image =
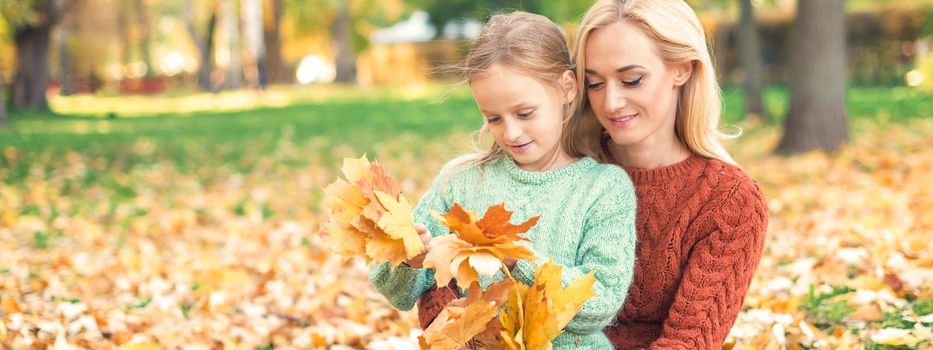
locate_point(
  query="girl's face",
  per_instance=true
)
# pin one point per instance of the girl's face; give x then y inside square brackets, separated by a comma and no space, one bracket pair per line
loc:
[632,91]
[524,116]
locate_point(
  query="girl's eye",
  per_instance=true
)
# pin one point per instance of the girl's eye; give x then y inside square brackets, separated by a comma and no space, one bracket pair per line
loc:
[493,120]
[594,86]
[634,83]
[526,114]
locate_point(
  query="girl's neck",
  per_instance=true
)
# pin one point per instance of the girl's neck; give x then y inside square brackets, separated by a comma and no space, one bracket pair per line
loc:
[556,159]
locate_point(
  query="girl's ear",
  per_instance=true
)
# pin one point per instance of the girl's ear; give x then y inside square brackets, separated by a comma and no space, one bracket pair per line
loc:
[568,84]
[682,73]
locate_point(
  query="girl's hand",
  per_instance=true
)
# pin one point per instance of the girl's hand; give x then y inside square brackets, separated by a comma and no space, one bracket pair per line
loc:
[418,261]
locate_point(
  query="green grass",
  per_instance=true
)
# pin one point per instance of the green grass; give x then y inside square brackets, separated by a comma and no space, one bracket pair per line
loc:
[880,104]
[318,120]
[232,138]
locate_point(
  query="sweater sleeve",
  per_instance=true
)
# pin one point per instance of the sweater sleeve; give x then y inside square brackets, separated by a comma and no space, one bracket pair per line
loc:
[718,273]
[404,285]
[608,247]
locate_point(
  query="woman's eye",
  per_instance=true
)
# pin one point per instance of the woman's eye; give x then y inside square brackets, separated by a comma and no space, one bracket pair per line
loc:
[526,114]
[492,120]
[594,86]
[633,83]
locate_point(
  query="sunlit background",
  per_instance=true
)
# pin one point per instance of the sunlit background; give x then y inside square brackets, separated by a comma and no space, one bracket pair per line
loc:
[161,166]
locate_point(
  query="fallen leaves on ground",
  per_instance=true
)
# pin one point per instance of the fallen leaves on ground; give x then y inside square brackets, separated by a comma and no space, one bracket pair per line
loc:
[111,248]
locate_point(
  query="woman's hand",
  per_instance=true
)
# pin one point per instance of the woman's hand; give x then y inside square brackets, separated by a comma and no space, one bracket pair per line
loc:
[418,261]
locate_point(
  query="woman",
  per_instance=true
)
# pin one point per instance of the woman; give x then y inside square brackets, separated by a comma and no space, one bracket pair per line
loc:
[651,104]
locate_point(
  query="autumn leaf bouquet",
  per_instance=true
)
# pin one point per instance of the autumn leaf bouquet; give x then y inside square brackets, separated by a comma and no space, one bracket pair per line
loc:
[369,217]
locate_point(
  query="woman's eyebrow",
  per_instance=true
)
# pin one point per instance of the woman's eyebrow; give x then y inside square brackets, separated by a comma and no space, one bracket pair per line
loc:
[618,70]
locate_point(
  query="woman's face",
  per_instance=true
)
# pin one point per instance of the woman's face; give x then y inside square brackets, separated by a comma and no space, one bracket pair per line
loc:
[632,91]
[524,116]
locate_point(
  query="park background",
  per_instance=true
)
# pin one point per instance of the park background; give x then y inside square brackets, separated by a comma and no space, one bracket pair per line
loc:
[162,164]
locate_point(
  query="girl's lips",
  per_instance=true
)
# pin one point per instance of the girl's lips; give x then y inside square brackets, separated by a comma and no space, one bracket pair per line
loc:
[623,121]
[521,148]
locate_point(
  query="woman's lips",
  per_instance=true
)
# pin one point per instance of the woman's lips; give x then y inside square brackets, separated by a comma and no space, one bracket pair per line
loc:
[623,121]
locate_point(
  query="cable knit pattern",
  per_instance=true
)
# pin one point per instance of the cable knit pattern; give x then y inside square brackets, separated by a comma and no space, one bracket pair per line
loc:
[701,226]
[587,223]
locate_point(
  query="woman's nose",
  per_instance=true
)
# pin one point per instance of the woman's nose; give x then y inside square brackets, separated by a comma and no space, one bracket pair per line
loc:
[615,98]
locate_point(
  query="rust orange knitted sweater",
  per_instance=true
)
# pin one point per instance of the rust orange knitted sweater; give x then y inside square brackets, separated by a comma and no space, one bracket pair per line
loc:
[701,225]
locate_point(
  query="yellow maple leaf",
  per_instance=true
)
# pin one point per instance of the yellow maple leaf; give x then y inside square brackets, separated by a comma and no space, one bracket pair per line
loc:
[465,318]
[357,169]
[399,224]
[533,316]
[475,247]
[368,216]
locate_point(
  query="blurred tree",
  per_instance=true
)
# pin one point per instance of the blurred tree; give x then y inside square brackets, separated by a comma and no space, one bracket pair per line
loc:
[229,17]
[64,64]
[253,43]
[340,33]
[2,101]
[816,118]
[349,23]
[275,69]
[750,51]
[144,25]
[32,22]
[442,12]
[201,22]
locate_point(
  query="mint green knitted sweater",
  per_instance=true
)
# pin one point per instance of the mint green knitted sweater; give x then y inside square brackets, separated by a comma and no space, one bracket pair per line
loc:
[587,222]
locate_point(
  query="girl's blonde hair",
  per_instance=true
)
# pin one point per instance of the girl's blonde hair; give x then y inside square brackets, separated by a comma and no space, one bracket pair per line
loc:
[530,44]
[675,29]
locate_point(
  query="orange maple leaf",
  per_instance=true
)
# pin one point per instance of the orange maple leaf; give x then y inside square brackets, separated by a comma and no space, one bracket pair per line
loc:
[475,247]
[465,318]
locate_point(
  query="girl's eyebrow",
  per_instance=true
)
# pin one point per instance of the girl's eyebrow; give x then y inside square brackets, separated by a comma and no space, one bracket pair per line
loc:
[618,70]
[520,104]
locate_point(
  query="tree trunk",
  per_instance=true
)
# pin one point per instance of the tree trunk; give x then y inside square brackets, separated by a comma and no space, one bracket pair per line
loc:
[750,50]
[64,66]
[254,49]
[275,69]
[145,37]
[233,77]
[126,43]
[204,43]
[341,39]
[32,68]
[816,118]
[2,102]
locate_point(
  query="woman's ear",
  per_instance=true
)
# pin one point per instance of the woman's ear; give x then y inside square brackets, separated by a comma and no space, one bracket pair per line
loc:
[568,84]
[682,73]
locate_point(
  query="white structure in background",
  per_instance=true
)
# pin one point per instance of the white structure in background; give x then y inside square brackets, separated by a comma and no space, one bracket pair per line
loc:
[415,28]
[314,69]
[465,28]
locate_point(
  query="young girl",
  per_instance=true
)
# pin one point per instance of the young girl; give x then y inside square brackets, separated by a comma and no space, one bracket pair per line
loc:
[520,73]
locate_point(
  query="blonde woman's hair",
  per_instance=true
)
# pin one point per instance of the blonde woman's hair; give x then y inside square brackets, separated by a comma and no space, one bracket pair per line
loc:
[530,44]
[675,29]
